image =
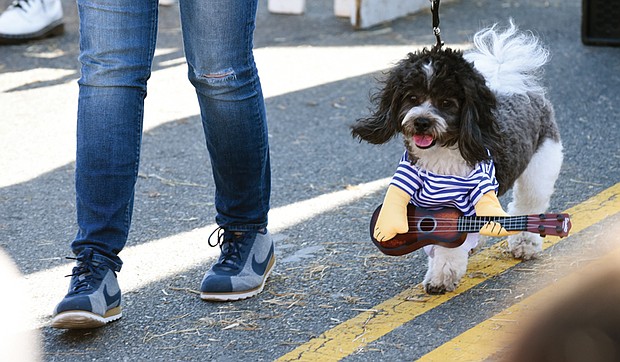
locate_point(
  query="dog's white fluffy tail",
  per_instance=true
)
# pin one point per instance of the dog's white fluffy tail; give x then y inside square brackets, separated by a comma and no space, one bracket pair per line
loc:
[510,60]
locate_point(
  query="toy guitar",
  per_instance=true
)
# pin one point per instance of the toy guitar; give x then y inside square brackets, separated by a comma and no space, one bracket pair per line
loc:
[448,227]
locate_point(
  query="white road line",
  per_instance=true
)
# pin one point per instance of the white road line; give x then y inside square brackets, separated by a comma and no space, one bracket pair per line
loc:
[38,122]
[162,258]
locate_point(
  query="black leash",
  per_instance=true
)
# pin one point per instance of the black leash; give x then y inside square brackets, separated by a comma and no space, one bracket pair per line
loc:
[436,30]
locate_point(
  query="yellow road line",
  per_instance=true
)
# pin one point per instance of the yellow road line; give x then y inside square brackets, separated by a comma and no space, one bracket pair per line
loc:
[498,332]
[357,332]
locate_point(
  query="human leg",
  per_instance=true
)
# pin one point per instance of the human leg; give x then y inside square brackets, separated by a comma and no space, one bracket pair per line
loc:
[117,41]
[218,45]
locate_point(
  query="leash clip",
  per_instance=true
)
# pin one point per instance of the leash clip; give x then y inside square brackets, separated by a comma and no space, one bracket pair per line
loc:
[436,30]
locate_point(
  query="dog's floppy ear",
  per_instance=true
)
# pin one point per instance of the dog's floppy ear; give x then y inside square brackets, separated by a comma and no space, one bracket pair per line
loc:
[383,124]
[478,131]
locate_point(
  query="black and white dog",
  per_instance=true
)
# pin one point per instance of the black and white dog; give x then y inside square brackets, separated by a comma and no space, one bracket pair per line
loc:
[455,110]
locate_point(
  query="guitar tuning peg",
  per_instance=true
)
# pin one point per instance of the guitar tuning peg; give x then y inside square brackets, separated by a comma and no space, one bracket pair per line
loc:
[541,230]
[542,216]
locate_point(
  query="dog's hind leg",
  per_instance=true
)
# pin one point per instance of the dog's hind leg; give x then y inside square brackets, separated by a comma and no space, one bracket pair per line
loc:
[531,194]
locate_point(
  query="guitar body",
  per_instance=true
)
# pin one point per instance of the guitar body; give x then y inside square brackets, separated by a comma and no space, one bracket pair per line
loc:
[425,227]
[449,228]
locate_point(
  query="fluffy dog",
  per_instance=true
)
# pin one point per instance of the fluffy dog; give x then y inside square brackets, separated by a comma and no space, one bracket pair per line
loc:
[475,125]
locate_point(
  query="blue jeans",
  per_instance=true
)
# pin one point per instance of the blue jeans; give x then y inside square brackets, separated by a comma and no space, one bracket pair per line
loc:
[117,42]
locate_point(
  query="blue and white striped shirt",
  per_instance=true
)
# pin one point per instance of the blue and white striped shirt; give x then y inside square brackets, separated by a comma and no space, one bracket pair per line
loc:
[434,191]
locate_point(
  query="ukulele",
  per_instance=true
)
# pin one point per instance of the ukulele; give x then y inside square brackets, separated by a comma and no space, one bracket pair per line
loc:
[448,227]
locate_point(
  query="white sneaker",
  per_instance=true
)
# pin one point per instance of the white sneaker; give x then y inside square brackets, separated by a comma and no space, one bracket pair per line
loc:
[26,20]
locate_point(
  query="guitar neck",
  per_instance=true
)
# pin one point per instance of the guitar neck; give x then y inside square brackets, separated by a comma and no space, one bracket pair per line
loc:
[472,224]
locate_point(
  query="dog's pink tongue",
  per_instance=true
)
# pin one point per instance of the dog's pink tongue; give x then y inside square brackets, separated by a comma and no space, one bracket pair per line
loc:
[423,140]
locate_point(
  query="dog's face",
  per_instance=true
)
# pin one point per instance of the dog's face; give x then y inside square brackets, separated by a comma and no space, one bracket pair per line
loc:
[429,114]
[436,100]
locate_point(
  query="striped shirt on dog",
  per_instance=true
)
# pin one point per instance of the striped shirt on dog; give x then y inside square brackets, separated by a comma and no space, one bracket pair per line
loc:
[434,191]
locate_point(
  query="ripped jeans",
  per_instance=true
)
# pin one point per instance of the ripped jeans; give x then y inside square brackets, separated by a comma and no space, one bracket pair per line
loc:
[117,44]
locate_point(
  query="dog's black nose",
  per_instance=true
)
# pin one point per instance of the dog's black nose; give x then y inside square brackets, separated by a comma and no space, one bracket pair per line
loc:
[422,124]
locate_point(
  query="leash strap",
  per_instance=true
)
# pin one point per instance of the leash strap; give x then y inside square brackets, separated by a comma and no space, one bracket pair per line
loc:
[436,30]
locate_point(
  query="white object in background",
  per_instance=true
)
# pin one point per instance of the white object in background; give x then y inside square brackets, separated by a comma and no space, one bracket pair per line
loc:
[295,7]
[369,13]
[167,2]
[344,8]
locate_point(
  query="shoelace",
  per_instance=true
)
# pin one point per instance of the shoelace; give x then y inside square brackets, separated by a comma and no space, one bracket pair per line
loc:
[84,271]
[230,245]
[20,4]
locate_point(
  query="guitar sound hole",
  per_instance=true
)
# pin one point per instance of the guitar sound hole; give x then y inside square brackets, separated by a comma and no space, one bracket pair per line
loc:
[427,225]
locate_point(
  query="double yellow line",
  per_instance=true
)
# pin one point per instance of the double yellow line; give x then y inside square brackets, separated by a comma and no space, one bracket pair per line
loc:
[367,327]
[494,335]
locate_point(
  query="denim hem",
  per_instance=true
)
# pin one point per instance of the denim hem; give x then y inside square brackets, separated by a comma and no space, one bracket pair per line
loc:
[107,261]
[245,228]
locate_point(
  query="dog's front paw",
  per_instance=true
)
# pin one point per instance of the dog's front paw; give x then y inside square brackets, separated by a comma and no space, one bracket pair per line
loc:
[433,289]
[525,246]
[445,270]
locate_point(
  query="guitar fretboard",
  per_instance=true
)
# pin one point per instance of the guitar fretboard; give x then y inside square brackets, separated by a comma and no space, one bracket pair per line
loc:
[469,224]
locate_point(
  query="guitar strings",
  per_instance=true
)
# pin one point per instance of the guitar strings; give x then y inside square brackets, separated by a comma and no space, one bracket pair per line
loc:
[471,218]
[472,223]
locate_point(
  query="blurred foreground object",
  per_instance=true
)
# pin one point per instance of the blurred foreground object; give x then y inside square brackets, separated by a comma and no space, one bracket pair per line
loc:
[19,341]
[581,322]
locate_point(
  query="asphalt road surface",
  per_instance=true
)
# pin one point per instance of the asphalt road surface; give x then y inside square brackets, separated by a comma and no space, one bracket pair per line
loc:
[332,296]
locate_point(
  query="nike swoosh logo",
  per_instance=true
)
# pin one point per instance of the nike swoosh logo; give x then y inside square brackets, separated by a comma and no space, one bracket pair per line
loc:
[259,268]
[111,300]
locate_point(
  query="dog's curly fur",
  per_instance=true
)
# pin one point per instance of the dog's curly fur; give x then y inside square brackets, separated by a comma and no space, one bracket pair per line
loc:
[486,99]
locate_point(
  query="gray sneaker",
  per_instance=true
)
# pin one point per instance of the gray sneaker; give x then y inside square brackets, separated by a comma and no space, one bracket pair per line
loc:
[246,261]
[94,297]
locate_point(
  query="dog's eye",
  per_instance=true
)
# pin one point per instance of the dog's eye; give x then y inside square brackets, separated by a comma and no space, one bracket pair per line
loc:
[414,99]
[447,103]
